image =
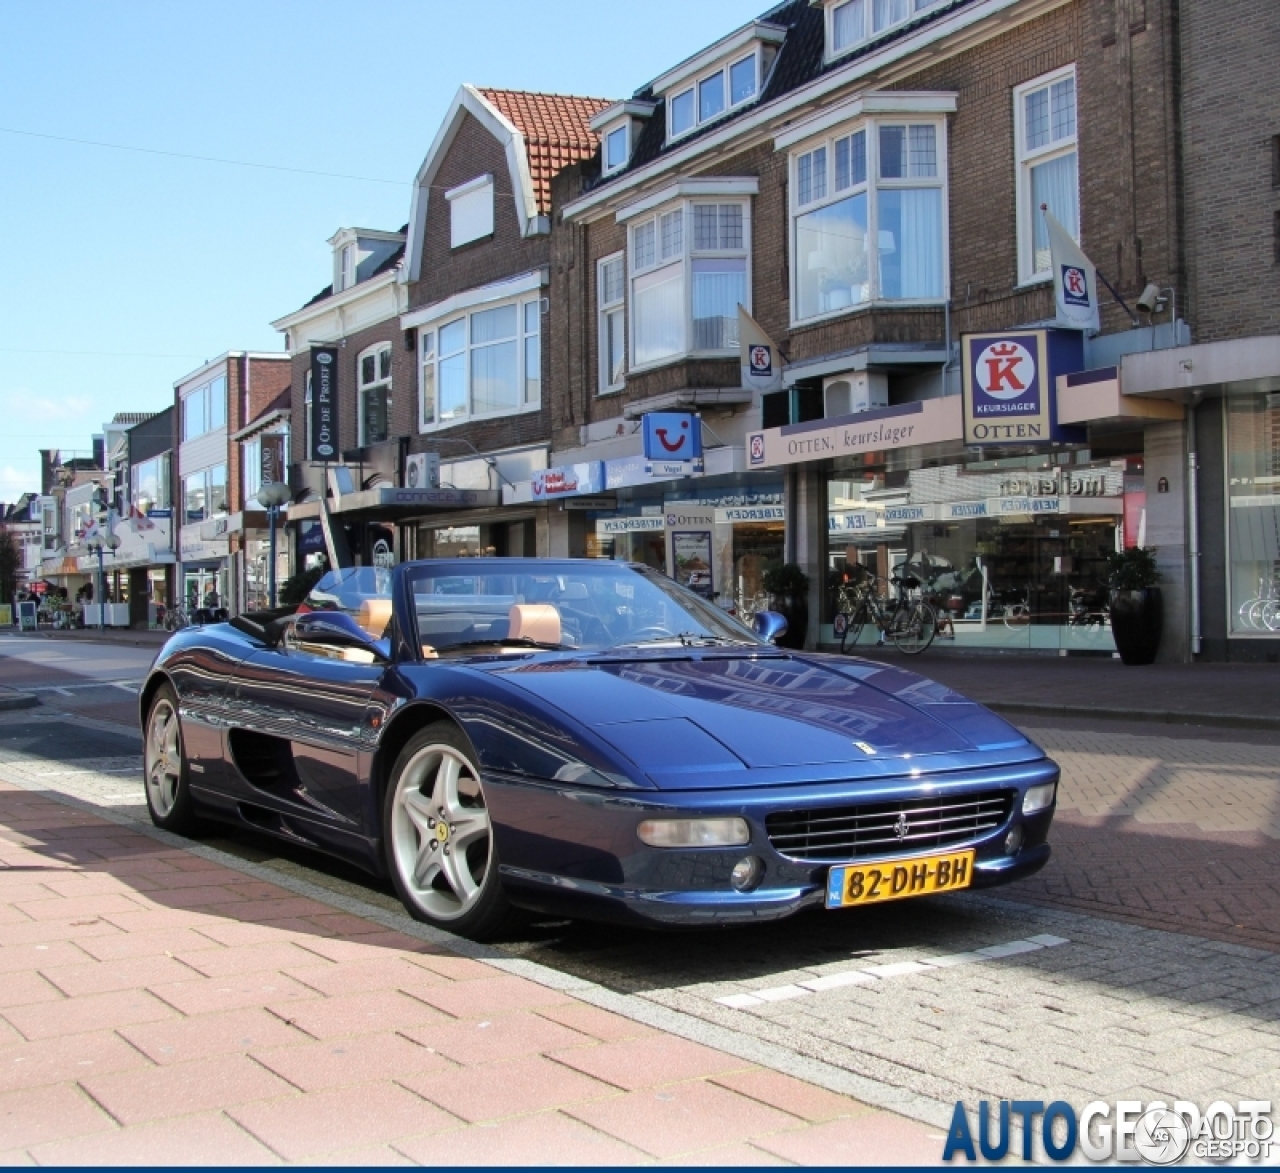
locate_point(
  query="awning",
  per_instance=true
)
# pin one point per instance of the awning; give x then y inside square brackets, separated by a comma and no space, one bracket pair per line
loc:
[387,503]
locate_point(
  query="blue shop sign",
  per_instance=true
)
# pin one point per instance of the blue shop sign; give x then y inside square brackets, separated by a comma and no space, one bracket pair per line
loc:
[672,435]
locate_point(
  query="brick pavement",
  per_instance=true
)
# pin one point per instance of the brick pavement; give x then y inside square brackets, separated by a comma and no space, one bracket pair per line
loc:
[1179,834]
[159,1007]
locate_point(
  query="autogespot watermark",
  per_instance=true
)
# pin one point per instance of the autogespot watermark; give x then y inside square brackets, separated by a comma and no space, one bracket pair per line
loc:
[1128,1130]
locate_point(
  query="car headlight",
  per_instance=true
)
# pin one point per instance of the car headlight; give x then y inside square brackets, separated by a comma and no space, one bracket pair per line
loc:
[694,832]
[1038,798]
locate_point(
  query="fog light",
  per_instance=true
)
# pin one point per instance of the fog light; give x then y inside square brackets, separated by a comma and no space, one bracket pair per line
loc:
[746,873]
[694,832]
[1038,798]
[1013,841]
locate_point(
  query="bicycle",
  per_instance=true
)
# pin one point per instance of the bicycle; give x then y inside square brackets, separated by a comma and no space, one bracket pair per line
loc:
[175,619]
[910,622]
[1016,609]
[1262,612]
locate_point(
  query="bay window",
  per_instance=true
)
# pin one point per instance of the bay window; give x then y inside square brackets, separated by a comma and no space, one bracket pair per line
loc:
[610,281]
[868,214]
[1045,138]
[150,484]
[373,381]
[484,363]
[686,286]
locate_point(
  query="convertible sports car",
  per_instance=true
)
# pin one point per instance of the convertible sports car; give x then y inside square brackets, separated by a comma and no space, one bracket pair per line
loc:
[584,738]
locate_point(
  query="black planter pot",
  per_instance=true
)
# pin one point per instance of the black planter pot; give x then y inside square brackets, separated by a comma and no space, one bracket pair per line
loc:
[1136,621]
[796,609]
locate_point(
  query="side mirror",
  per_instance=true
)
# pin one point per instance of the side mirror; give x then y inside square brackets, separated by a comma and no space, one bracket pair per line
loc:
[770,625]
[336,629]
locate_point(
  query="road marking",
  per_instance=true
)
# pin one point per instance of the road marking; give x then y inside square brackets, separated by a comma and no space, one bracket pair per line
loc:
[62,691]
[126,687]
[72,689]
[872,974]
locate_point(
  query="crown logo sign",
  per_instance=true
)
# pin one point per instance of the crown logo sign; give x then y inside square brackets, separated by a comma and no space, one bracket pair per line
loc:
[1005,349]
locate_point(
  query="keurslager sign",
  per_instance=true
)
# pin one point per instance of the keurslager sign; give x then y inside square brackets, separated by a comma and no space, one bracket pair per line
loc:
[1009,381]
[931,421]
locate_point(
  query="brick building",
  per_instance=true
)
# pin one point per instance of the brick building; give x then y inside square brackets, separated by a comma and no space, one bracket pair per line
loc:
[866,179]
[213,403]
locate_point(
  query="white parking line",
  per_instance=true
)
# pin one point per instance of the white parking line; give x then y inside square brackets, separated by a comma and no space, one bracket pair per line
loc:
[870,974]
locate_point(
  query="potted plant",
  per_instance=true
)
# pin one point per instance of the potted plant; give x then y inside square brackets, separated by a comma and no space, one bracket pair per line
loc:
[788,587]
[1137,609]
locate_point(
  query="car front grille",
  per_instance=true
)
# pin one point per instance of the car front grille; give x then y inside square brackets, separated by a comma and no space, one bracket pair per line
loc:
[835,834]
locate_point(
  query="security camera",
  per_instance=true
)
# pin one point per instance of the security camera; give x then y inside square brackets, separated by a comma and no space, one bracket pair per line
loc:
[1150,302]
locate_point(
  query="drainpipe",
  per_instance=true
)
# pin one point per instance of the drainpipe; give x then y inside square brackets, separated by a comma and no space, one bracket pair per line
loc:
[1193,524]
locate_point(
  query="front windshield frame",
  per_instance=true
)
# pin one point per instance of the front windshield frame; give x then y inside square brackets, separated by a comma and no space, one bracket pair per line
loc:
[602,606]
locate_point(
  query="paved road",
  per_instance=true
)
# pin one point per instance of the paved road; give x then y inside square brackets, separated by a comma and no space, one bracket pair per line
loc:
[1144,963]
[94,679]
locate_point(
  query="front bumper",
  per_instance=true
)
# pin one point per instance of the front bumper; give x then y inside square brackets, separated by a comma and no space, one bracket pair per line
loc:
[574,853]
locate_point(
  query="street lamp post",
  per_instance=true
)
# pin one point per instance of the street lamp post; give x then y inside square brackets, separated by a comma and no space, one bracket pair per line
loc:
[100,543]
[272,495]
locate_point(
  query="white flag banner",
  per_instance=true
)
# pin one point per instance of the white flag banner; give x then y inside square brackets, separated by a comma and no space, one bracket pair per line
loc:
[1075,280]
[761,363]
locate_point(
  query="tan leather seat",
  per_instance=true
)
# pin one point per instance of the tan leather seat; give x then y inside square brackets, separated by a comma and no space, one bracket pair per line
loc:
[374,616]
[539,622]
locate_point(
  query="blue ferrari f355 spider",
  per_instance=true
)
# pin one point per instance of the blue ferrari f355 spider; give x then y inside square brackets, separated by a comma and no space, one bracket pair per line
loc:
[586,739]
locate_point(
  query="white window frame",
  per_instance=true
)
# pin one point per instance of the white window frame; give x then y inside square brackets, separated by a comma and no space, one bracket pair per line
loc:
[250,469]
[347,266]
[695,87]
[686,256]
[606,310]
[625,127]
[206,476]
[308,429]
[205,391]
[873,185]
[376,351]
[429,362]
[869,31]
[471,211]
[1025,160]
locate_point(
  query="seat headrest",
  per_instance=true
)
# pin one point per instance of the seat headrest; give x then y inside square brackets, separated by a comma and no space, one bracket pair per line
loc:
[539,622]
[374,616]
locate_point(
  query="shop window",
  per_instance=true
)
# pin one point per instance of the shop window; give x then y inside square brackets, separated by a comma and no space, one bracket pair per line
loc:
[483,364]
[1044,117]
[373,378]
[195,498]
[1253,509]
[710,262]
[868,219]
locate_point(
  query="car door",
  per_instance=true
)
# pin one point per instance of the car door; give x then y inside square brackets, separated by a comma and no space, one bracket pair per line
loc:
[301,719]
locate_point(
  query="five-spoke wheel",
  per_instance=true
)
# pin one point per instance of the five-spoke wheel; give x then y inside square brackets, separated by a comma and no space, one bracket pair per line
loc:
[439,838]
[165,767]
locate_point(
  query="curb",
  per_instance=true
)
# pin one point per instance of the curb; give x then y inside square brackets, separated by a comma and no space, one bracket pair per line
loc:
[1139,716]
[12,699]
[137,640]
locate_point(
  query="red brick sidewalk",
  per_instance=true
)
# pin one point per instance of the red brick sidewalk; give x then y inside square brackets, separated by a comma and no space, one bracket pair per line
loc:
[160,1008]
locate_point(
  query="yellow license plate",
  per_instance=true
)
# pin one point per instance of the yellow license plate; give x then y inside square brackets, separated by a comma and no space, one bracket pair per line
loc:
[898,879]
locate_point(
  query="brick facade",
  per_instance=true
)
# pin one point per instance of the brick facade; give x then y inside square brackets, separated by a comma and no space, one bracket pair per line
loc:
[1231,120]
[1127,119]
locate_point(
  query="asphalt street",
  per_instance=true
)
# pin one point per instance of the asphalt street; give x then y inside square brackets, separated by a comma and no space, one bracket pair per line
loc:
[1143,963]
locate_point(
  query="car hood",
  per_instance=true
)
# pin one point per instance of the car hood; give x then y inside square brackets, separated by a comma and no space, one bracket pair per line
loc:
[731,719]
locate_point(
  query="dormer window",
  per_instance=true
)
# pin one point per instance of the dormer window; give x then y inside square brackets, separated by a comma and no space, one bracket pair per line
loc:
[854,22]
[713,94]
[617,148]
[347,267]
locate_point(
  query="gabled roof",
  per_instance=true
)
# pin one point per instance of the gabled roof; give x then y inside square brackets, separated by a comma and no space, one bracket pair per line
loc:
[556,129]
[539,133]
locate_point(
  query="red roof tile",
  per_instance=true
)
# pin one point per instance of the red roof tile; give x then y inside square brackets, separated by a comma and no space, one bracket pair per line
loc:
[555,132]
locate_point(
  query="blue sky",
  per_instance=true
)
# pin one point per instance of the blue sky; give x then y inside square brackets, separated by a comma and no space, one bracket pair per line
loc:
[122,271]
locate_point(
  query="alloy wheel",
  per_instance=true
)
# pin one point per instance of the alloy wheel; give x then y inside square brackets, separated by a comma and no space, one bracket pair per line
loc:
[163,758]
[440,832]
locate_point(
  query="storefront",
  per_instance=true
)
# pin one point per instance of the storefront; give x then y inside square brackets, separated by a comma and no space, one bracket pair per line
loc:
[206,565]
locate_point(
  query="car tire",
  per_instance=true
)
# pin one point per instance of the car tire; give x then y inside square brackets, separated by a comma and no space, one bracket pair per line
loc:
[438,838]
[165,770]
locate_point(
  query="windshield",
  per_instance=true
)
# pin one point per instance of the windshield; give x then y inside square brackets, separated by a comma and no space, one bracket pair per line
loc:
[363,592]
[584,605]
